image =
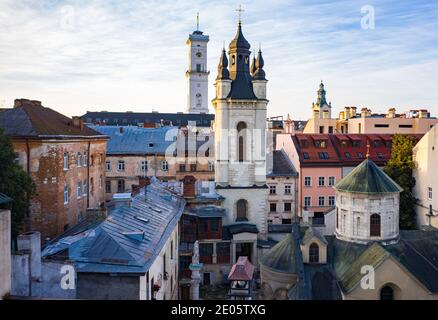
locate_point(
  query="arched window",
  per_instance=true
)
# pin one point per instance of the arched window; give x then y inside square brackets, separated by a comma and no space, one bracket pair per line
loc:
[386,293]
[241,130]
[314,253]
[242,210]
[375,225]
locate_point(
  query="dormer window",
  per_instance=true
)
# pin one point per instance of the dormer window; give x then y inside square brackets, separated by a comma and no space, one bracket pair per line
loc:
[321,144]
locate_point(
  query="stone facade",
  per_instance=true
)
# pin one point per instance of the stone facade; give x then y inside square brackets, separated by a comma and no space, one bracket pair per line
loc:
[354,214]
[82,175]
[284,199]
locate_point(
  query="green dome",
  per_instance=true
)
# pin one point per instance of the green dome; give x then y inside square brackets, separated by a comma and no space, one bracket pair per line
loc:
[368,178]
[281,257]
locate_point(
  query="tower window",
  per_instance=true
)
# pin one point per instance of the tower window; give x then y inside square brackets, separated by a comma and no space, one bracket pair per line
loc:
[314,253]
[242,209]
[375,225]
[233,59]
[198,67]
[241,126]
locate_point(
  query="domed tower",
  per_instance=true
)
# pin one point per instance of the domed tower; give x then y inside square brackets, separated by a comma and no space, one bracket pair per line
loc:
[321,109]
[240,108]
[367,206]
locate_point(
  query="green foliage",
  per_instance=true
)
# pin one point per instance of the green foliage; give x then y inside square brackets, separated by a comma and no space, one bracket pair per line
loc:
[15,183]
[399,168]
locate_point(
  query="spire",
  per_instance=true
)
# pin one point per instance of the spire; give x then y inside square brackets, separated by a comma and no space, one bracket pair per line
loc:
[222,68]
[260,73]
[321,95]
[253,66]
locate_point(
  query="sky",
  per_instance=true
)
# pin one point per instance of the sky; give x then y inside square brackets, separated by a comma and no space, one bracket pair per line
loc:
[79,55]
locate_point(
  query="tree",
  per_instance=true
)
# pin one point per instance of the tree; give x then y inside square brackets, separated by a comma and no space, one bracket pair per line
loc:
[399,168]
[15,183]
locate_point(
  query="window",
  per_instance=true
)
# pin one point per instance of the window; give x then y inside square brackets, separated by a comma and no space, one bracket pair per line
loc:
[287,207]
[84,187]
[164,165]
[332,181]
[91,185]
[360,155]
[108,165]
[223,252]
[321,144]
[314,253]
[164,267]
[306,155]
[321,201]
[321,129]
[92,160]
[100,182]
[79,189]
[356,144]
[85,159]
[429,193]
[307,201]
[242,208]
[405,125]
[171,250]
[386,293]
[380,156]
[318,219]
[206,253]
[347,155]
[359,129]
[272,189]
[321,181]
[286,221]
[307,181]
[66,161]
[356,226]
[210,166]
[323,155]
[375,225]
[330,129]
[381,125]
[108,186]
[241,130]
[331,200]
[79,159]
[121,165]
[273,207]
[193,167]
[66,194]
[198,67]
[120,185]
[287,189]
[182,168]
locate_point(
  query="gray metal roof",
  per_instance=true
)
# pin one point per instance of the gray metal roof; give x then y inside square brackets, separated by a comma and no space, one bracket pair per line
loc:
[282,166]
[129,239]
[137,140]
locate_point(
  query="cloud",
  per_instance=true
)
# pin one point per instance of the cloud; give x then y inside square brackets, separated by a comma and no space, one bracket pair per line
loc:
[131,55]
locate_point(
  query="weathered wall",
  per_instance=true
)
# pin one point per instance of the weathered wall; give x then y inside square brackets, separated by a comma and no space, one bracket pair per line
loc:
[105,287]
[280,198]
[48,213]
[5,252]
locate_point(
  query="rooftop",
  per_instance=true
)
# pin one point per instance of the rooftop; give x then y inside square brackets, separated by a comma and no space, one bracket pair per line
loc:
[128,240]
[29,118]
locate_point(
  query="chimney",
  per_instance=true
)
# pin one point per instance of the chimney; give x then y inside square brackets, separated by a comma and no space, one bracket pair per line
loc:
[363,112]
[77,122]
[423,114]
[31,242]
[347,113]
[391,113]
[353,112]
[26,102]
[341,115]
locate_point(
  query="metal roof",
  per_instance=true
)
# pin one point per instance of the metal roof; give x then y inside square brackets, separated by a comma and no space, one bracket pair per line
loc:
[136,140]
[109,247]
[368,178]
[281,166]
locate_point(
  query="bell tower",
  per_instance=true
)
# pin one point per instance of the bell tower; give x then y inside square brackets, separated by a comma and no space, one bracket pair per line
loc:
[197,72]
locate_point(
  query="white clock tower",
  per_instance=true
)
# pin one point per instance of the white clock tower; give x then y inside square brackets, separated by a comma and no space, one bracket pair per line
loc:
[197,73]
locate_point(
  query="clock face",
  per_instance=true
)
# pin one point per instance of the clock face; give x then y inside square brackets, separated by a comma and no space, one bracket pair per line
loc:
[198,54]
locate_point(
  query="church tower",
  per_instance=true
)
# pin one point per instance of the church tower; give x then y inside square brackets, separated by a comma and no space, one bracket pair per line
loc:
[240,145]
[197,73]
[321,109]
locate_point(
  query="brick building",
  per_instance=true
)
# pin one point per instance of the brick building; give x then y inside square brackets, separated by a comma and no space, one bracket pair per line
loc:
[65,159]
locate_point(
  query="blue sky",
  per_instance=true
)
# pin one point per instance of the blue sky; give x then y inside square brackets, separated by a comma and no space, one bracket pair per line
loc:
[131,55]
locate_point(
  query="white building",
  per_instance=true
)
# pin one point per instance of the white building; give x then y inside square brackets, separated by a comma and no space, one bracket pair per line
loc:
[240,145]
[426,179]
[367,204]
[197,73]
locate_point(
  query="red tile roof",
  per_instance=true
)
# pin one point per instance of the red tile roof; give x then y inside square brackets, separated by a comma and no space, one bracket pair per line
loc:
[242,270]
[343,149]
